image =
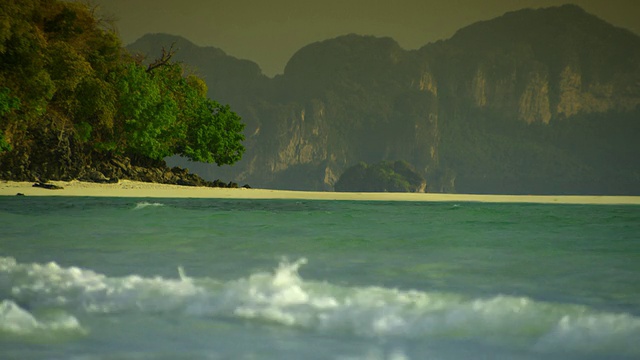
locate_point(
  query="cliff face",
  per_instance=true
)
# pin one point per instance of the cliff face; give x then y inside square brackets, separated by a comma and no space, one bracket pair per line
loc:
[539,65]
[514,104]
[360,100]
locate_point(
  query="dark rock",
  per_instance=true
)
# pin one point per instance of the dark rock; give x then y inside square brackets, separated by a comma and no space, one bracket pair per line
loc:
[19,165]
[184,182]
[179,171]
[168,177]
[19,194]
[97,176]
[386,176]
[47,186]
[122,165]
[246,186]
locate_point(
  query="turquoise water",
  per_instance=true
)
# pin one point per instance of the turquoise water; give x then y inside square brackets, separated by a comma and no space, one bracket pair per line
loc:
[103,278]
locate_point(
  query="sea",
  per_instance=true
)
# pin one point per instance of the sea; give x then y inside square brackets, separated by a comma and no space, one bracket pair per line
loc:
[87,278]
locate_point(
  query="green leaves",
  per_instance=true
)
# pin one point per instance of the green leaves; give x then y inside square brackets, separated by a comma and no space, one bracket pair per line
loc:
[72,80]
[146,112]
[213,134]
[165,114]
[8,103]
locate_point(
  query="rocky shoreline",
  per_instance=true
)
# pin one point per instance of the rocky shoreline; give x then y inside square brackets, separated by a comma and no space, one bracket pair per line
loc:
[121,168]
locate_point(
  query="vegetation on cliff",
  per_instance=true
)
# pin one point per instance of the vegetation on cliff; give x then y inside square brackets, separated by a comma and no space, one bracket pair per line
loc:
[72,99]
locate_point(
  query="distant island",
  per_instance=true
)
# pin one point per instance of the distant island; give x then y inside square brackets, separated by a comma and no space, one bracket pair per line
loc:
[74,104]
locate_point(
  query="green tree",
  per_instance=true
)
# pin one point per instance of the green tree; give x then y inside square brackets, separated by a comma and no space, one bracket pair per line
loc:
[146,113]
[82,96]
[213,134]
[8,104]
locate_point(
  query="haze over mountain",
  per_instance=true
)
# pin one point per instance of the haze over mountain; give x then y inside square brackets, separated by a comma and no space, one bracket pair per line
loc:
[270,32]
[535,101]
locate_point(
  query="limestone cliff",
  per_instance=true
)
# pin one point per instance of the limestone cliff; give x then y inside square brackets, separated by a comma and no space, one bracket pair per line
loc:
[535,101]
[318,124]
[537,65]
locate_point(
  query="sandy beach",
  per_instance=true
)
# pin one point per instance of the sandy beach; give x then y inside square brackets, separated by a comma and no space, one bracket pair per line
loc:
[137,189]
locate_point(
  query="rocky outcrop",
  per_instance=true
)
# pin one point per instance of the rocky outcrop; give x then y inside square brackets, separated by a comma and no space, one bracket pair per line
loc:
[45,186]
[386,176]
[112,170]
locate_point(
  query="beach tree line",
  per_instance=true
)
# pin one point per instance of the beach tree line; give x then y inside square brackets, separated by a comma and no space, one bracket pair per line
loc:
[70,95]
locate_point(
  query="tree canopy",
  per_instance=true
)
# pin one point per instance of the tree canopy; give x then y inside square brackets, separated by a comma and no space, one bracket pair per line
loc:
[67,85]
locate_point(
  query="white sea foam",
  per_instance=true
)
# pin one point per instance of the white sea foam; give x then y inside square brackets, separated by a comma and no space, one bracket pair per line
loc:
[594,332]
[283,297]
[53,285]
[145,204]
[377,354]
[18,321]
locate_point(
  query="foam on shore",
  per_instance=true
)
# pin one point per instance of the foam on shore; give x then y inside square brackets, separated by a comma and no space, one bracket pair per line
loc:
[126,188]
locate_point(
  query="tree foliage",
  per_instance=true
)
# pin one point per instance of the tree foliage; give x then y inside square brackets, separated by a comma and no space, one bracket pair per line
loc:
[8,103]
[65,80]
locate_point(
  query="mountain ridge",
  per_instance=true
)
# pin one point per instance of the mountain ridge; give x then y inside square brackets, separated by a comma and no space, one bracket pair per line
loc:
[464,112]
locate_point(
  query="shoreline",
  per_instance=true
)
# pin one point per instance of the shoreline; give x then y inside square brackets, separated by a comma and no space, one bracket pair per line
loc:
[137,189]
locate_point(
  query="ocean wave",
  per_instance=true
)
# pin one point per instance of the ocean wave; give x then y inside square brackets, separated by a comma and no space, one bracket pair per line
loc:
[284,297]
[17,321]
[145,204]
[50,285]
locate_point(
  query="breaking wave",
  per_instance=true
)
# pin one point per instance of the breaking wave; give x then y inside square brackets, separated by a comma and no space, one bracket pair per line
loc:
[145,204]
[17,321]
[284,297]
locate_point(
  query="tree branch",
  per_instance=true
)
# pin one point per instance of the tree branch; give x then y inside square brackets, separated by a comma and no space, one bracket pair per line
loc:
[164,58]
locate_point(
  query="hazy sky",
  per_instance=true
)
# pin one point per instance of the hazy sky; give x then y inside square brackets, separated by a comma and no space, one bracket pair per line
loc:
[269,32]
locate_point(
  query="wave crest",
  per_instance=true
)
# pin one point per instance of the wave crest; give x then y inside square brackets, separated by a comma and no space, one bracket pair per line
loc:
[146,204]
[15,320]
[284,297]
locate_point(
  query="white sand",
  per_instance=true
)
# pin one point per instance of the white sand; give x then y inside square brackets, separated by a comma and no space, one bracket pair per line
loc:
[127,188]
